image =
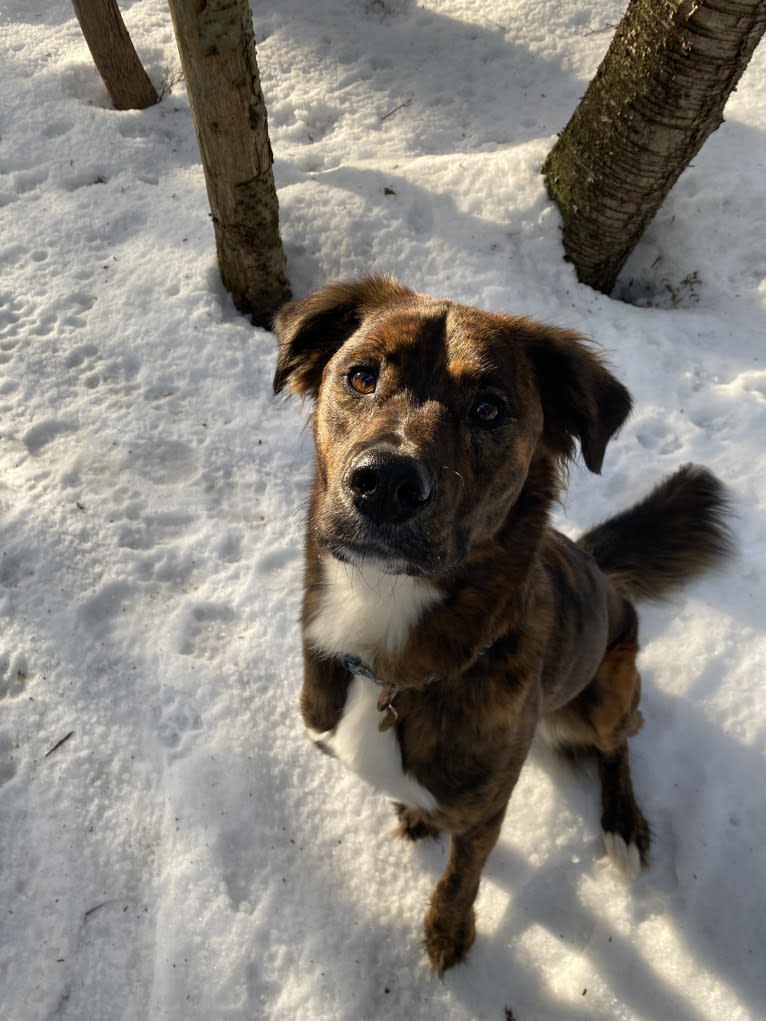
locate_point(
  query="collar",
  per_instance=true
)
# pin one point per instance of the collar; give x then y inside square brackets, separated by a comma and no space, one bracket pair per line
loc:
[388,693]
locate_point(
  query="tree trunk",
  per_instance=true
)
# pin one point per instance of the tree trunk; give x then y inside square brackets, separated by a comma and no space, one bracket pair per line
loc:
[217,47]
[113,54]
[658,94]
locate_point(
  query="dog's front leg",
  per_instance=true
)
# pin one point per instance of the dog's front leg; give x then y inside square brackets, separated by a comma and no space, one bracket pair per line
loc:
[475,815]
[324,692]
[450,923]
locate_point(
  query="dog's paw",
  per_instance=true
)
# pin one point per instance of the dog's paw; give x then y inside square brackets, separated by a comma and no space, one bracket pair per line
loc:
[413,824]
[627,839]
[628,854]
[626,858]
[448,938]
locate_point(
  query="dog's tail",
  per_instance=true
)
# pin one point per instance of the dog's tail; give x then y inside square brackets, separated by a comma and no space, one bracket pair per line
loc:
[674,534]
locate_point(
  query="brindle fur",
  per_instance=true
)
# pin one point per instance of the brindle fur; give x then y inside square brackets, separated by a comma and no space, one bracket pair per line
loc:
[528,627]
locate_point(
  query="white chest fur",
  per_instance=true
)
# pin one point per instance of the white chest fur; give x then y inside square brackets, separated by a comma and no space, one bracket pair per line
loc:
[363,610]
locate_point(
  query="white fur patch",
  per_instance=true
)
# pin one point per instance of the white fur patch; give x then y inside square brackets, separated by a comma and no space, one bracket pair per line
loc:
[362,610]
[625,857]
[375,756]
[561,729]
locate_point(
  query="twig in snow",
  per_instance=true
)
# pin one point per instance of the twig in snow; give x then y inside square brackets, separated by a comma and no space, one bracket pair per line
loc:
[58,744]
[399,107]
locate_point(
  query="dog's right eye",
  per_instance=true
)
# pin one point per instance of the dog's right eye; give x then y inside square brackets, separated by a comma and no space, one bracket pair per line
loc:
[487,411]
[363,380]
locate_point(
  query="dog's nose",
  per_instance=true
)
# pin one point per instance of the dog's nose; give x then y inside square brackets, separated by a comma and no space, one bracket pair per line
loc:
[388,487]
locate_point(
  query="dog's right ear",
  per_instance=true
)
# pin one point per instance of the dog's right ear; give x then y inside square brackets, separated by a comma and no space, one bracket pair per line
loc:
[311,330]
[580,396]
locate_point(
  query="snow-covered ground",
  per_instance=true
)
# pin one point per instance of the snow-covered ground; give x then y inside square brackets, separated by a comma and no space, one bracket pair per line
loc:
[185,853]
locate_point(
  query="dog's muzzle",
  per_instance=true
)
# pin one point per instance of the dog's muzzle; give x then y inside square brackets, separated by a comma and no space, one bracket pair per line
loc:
[388,488]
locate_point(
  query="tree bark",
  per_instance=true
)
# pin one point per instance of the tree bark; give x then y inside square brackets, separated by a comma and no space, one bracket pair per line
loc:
[658,94]
[217,46]
[114,55]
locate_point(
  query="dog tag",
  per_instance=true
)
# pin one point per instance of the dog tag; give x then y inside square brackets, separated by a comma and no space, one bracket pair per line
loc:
[388,719]
[386,706]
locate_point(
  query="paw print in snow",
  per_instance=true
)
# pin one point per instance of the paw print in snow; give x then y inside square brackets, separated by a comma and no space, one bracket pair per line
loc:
[179,724]
[208,630]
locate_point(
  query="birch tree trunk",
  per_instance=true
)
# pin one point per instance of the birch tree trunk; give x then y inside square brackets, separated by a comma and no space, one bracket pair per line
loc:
[658,94]
[114,55]
[217,47]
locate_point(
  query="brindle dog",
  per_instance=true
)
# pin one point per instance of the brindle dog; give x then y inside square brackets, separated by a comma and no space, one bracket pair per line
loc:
[443,618]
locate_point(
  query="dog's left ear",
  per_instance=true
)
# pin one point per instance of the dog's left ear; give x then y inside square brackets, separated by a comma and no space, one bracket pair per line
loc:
[581,398]
[311,330]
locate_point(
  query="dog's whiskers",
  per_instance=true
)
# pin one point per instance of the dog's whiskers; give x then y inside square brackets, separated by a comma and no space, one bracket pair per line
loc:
[446,468]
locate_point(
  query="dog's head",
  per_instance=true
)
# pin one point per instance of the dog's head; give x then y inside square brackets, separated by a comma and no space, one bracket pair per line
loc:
[429,416]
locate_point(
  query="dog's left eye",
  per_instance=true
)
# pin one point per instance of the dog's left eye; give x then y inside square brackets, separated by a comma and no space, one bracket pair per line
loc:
[487,411]
[363,380]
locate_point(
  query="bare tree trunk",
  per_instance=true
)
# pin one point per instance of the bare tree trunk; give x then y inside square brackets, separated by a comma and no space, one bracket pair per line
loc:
[113,54]
[217,47]
[658,94]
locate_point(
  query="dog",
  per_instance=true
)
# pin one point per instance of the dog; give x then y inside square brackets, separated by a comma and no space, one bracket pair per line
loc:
[444,620]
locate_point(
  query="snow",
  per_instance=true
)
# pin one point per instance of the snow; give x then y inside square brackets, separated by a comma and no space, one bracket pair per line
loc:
[186,853]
